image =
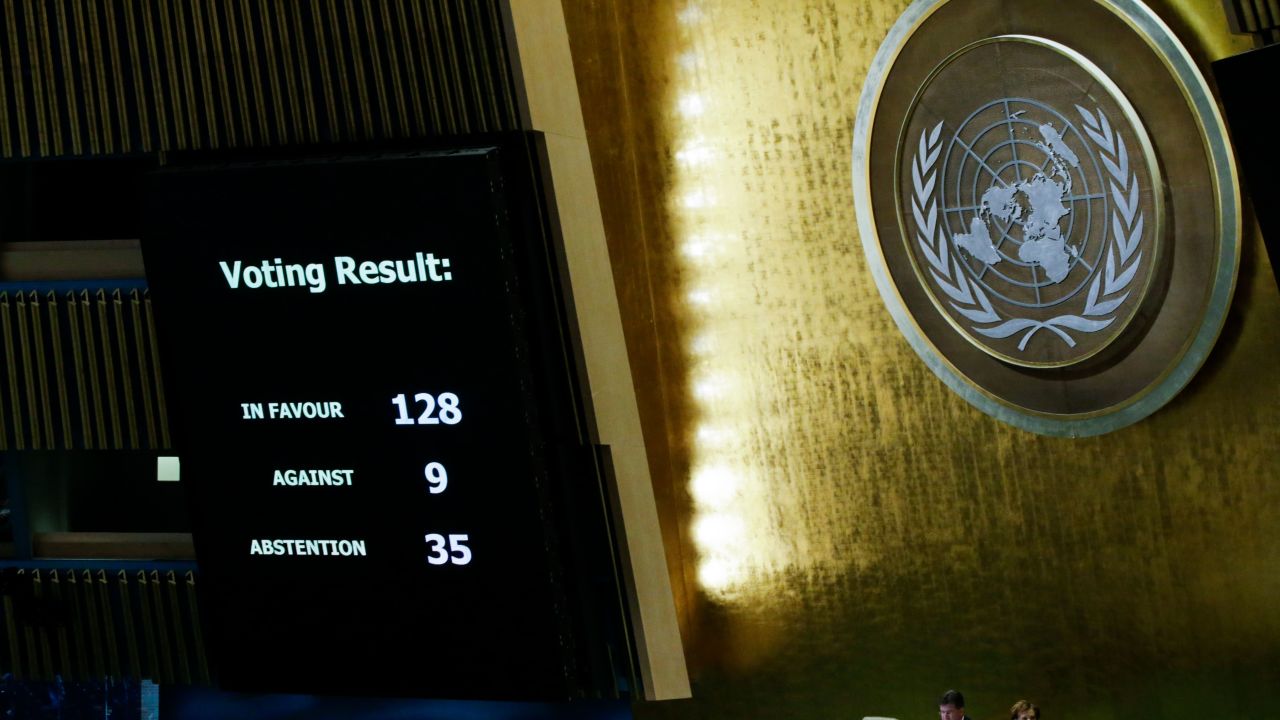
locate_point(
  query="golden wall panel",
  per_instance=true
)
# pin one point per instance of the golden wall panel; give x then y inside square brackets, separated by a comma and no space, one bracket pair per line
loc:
[845,535]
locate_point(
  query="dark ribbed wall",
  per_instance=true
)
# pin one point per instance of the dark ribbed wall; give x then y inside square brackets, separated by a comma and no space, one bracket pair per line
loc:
[1256,17]
[89,77]
[82,624]
[80,371]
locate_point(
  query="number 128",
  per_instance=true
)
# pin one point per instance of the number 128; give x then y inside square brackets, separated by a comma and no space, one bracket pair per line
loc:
[447,403]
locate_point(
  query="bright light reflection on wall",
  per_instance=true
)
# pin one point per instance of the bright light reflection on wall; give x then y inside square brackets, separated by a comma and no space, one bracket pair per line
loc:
[713,487]
[699,198]
[734,526]
[695,153]
[700,297]
[710,387]
[710,435]
[690,15]
[691,104]
[702,344]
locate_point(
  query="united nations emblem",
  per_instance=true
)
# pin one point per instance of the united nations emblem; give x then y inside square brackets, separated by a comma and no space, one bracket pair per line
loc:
[1031,224]
[1056,239]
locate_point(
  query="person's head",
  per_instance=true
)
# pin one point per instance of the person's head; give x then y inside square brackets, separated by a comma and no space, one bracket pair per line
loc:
[1023,710]
[951,706]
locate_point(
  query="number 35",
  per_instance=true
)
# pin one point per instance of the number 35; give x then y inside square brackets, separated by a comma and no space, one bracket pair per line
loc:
[457,554]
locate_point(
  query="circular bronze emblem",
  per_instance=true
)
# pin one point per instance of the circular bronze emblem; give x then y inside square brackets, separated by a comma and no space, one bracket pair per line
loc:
[1049,206]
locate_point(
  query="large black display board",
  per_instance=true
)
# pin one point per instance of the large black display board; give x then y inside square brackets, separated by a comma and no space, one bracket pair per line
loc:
[379,429]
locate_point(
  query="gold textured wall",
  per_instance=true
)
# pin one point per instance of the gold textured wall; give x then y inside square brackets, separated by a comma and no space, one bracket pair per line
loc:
[846,536]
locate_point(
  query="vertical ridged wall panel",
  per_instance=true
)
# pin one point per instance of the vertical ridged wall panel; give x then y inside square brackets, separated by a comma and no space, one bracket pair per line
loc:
[79,371]
[93,77]
[85,624]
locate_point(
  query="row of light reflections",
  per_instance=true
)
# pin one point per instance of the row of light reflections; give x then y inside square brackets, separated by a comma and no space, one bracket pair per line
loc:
[711,222]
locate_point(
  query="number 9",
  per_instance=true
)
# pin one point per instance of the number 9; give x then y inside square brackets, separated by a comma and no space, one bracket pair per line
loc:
[437,478]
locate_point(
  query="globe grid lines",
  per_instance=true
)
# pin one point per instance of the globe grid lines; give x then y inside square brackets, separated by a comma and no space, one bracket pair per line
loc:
[1123,252]
[1007,122]
[1005,228]
[1077,201]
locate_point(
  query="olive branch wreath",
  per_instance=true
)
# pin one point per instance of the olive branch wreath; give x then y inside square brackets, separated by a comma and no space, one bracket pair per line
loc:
[968,297]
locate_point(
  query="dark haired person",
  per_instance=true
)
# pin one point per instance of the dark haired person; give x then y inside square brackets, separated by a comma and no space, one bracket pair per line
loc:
[1023,710]
[951,706]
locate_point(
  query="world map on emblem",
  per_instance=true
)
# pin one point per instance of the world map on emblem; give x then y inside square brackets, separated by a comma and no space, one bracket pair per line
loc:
[1037,205]
[1029,215]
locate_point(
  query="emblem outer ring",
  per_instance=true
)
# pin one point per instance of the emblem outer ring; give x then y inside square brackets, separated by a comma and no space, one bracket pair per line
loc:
[1226,199]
